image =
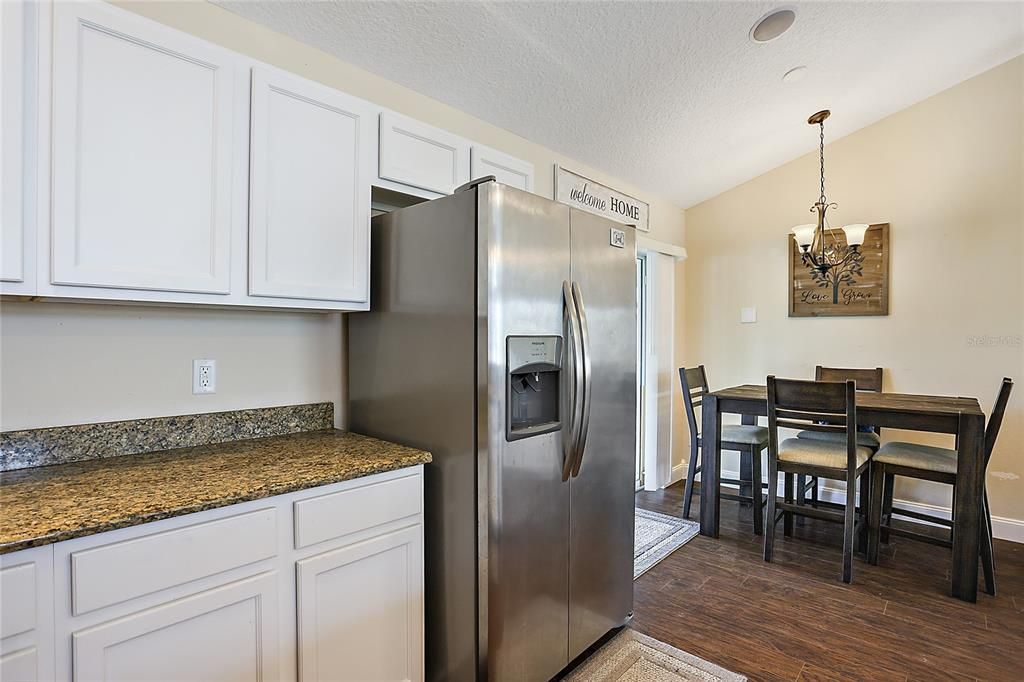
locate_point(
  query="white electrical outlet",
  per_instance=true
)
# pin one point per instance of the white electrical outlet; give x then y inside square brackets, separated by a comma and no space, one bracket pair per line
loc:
[204,376]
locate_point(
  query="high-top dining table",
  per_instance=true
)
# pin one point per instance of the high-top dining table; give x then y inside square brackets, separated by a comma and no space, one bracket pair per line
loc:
[937,414]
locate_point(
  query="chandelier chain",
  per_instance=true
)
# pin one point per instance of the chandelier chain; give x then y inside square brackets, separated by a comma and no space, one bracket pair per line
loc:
[821,156]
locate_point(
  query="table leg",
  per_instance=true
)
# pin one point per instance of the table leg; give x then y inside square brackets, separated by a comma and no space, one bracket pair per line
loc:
[746,468]
[711,464]
[967,506]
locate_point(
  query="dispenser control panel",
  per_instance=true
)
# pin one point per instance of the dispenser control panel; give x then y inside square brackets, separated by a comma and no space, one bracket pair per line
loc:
[534,386]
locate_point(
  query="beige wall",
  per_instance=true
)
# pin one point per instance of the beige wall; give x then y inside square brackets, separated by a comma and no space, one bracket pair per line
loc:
[69,363]
[947,174]
[74,363]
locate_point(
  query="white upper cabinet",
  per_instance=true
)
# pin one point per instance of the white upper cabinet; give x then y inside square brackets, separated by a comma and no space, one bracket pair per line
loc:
[312,156]
[415,154]
[506,169]
[141,163]
[142,154]
[15,274]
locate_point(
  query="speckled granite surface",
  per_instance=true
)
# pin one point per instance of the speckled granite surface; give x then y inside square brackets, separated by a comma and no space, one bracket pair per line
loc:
[49,504]
[63,444]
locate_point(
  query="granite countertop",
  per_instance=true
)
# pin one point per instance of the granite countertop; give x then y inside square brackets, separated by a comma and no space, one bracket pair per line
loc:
[49,504]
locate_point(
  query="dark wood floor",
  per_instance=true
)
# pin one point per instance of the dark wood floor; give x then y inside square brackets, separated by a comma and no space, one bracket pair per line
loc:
[794,619]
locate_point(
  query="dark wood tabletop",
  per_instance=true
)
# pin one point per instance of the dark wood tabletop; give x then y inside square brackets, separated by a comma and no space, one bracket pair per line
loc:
[903,403]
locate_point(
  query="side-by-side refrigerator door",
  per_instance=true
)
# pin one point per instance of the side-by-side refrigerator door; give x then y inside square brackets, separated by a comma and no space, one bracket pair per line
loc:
[603,268]
[524,562]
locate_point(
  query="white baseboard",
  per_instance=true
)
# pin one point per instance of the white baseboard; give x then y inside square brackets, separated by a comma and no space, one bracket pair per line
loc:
[678,474]
[1002,528]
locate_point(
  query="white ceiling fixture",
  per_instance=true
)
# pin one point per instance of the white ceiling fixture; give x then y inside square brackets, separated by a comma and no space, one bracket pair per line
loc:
[794,75]
[673,97]
[772,25]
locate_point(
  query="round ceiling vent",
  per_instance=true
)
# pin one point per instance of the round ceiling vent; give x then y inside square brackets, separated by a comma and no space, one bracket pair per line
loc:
[794,75]
[772,25]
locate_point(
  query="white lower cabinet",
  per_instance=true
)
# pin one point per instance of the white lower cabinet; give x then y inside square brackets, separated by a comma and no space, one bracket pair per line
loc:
[360,610]
[26,615]
[228,594]
[228,633]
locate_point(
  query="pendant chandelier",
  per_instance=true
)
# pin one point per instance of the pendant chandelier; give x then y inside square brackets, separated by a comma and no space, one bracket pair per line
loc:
[820,249]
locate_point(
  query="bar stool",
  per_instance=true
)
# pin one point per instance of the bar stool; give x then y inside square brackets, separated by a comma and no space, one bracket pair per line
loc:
[866,380]
[928,463]
[748,440]
[826,407]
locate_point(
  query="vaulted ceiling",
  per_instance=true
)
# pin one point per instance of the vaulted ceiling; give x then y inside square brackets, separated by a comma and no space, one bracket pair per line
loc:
[673,97]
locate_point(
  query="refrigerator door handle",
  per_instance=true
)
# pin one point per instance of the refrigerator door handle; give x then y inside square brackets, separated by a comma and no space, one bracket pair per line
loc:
[576,360]
[584,426]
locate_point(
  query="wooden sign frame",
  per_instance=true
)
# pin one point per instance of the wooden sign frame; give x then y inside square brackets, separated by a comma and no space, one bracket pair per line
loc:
[864,291]
[578,191]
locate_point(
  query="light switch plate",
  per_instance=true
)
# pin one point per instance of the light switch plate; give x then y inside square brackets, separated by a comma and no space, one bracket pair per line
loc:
[748,315]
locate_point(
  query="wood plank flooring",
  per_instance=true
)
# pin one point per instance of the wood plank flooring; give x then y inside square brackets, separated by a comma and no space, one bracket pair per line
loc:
[794,619]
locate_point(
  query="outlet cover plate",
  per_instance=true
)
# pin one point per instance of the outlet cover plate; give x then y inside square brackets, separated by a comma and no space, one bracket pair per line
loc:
[204,376]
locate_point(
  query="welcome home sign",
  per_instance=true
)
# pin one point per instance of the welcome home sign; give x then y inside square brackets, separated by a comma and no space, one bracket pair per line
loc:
[585,194]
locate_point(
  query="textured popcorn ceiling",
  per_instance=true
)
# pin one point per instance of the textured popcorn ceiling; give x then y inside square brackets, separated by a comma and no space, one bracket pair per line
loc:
[671,96]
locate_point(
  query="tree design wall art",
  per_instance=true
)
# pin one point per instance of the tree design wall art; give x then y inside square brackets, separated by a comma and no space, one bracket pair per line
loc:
[860,286]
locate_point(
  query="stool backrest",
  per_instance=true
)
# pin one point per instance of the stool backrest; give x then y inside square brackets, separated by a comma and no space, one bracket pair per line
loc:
[694,382]
[816,406]
[867,379]
[995,420]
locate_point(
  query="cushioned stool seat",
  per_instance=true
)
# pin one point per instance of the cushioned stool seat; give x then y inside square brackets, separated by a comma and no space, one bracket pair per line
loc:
[917,456]
[819,453]
[741,433]
[865,438]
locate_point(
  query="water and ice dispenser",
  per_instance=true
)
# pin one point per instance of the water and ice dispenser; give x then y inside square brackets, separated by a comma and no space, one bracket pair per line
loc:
[533,378]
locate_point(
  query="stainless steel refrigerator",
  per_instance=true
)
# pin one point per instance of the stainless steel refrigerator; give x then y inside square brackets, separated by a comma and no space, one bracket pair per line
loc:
[502,338]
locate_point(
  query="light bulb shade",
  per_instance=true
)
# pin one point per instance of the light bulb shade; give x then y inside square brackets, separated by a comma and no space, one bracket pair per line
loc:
[804,234]
[855,233]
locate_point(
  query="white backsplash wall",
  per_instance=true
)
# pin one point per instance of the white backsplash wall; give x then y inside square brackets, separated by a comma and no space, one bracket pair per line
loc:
[74,363]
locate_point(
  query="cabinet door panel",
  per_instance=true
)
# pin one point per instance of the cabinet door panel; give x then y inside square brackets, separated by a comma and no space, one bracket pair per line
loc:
[116,572]
[508,170]
[20,666]
[413,153]
[142,154]
[18,608]
[26,615]
[12,142]
[309,215]
[228,633]
[361,610]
